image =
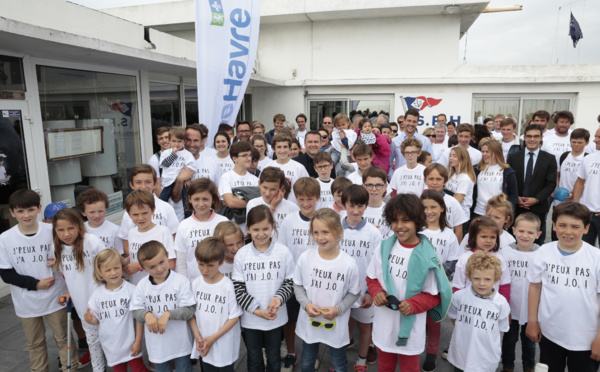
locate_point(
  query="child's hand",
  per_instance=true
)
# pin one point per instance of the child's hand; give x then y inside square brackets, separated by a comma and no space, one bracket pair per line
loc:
[274,306]
[208,343]
[175,149]
[162,322]
[151,322]
[366,302]
[329,312]
[64,298]
[533,332]
[264,314]
[50,261]
[404,308]
[186,184]
[277,199]
[312,310]
[45,283]
[132,268]
[595,349]
[380,299]
[136,348]
[342,134]
[199,343]
[90,318]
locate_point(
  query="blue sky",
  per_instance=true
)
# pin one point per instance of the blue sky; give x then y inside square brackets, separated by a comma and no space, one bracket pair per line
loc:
[510,38]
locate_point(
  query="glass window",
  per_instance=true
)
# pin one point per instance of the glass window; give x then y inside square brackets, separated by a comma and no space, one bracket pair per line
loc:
[191,104]
[164,107]
[532,105]
[72,103]
[320,109]
[12,79]
[490,107]
[367,107]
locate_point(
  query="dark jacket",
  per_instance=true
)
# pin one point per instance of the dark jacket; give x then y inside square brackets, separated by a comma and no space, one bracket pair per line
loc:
[309,165]
[543,180]
[510,186]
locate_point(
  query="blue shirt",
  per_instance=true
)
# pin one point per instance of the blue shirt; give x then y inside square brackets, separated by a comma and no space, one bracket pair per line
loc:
[397,142]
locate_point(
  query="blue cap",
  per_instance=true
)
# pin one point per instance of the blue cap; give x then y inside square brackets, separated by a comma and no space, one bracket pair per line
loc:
[51,209]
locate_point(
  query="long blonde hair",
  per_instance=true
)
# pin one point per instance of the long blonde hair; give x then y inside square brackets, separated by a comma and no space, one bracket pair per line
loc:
[464,164]
[72,216]
[495,150]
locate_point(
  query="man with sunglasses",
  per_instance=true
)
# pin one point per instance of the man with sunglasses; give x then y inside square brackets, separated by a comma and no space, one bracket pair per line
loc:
[312,144]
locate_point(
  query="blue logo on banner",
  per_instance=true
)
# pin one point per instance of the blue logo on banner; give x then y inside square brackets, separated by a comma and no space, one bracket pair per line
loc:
[218,18]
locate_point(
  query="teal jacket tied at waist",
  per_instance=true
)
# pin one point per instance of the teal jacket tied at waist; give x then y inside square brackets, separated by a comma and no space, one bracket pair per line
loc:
[422,259]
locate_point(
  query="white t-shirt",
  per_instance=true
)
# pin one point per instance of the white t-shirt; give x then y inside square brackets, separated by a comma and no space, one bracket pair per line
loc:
[475,343]
[489,184]
[569,311]
[189,234]
[208,151]
[207,168]
[293,172]
[266,162]
[163,215]
[506,147]
[108,232]
[283,209]
[407,180]
[455,214]
[497,135]
[519,264]
[568,172]
[326,283]
[356,177]
[171,294]
[386,323]
[153,162]
[136,239]
[335,138]
[460,279]
[556,145]
[505,240]
[226,269]
[294,234]
[226,164]
[590,172]
[444,242]
[300,135]
[474,154]
[231,180]
[360,244]
[117,326]
[326,196]
[462,184]
[263,273]
[215,305]
[81,284]
[438,149]
[170,173]
[28,255]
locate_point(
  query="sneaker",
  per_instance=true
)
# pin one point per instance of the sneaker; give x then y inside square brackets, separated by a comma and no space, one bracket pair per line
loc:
[283,351]
[429,365]
[351,344]
[317,364]
[506,369]
[372,355]
[445,354]
[59,363]
[82,344]
[289,362]
[361,368]
[85,360]
[264,356]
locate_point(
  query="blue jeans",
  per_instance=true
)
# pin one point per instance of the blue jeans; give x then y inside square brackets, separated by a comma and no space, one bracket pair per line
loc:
[255,340]
[594,231]
[311,351]
[167,191]
[510,341]
[182,364]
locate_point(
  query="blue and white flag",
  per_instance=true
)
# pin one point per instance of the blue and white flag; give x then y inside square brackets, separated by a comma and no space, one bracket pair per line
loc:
[575,31]
[226,43]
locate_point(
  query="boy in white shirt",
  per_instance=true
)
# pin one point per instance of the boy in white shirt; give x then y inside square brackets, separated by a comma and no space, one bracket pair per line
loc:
[563,294]
[375,182]
[479,313]
[93,204]
[241,154]
[359,241]
[464,133]
[341,135]
[294,234]
[163,302]
[510,142]
[172,161]
[216,326]
[24,253]
[140,206]
[409,177]
[519,257]
[323,165]
[272,192]
[338,186]
[291,168]
[363,154]
[162,139]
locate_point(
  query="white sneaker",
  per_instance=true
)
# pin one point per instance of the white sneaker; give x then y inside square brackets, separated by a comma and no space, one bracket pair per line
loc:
[317,364]
[283,351]
[264,356]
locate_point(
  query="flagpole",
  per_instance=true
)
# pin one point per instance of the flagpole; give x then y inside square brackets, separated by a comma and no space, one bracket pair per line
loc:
[555,37]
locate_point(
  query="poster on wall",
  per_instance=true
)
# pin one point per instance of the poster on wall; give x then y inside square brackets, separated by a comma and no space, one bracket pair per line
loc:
[456,106]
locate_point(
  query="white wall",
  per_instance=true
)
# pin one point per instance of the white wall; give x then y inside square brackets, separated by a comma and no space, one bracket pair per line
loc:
[266,102]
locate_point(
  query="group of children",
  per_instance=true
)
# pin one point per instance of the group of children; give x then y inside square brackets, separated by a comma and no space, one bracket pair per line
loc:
[333,257]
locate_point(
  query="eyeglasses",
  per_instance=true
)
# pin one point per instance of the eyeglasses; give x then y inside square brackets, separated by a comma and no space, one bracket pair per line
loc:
[411,153]
[322,167]
[430,135]
[243,156]
[317,324]
[401,122]
[324,137]
[376,186]
[528,136]
[243,130]
[393,302]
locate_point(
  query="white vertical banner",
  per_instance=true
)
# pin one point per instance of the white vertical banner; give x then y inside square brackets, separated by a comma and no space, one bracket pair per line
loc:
[226,43]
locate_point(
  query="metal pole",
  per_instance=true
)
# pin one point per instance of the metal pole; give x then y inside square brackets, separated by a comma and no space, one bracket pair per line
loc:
[555,37]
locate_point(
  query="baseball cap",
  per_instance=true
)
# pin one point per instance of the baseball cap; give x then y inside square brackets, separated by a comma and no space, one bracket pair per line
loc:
[51,209]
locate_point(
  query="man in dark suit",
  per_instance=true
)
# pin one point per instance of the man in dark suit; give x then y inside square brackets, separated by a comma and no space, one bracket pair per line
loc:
[536,176]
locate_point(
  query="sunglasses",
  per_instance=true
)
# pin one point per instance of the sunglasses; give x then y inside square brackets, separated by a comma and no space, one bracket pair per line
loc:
[317,324]
[430,135]
[395,131]
[393,302]
[325,137]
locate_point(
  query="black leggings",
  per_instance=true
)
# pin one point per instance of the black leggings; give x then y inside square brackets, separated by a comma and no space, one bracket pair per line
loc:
[558,358]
